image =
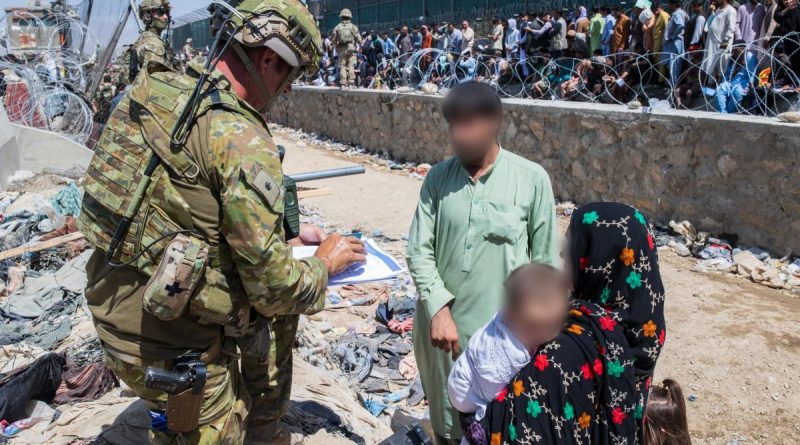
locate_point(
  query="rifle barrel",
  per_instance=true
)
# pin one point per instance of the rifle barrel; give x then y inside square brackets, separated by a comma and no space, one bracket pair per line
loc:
[327,174]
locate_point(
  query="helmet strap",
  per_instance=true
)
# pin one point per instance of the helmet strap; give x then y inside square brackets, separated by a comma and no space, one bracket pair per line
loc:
[251,68]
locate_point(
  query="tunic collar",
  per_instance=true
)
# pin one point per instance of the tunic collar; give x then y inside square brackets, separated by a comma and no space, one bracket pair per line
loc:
[500,158]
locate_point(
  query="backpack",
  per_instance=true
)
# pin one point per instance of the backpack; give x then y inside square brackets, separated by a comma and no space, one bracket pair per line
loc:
[346,35]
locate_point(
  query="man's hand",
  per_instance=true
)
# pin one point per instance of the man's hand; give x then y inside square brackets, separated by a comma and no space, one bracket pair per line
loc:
[444,333]
[310,235]
[340,252]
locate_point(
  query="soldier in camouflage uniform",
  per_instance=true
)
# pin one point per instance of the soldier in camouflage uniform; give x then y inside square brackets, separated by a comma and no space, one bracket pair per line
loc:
[346,38]
[155,15]
[219,192]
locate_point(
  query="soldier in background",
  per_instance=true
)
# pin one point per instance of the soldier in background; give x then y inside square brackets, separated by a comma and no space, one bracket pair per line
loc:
[155,15]
[346,38]
[188,49]
[203,266]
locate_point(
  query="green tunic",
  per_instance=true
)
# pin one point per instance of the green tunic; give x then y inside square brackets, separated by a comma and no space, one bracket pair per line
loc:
[465,240]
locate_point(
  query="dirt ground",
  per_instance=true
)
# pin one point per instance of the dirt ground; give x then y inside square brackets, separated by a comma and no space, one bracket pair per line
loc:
[732,344]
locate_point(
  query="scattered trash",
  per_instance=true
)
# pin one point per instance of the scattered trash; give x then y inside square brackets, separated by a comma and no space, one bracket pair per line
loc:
[692,397]
[749,265]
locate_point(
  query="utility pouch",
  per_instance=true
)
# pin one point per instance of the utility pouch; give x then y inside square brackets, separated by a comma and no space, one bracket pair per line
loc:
[174,282]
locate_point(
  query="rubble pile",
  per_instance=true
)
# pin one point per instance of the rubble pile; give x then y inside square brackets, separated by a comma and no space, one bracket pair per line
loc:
[51,361]
[357,362]
[718,254]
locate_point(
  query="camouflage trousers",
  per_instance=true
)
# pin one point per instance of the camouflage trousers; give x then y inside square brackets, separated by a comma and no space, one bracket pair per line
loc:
[347,68]
[225,402]
[267,372]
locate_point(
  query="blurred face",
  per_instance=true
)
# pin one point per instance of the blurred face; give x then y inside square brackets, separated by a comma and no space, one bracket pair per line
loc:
[405,30]
[539,314]
[472,137]
[465,24]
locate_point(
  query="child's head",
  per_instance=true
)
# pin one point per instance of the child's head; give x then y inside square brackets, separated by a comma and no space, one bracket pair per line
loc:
[665,416]
[537,300]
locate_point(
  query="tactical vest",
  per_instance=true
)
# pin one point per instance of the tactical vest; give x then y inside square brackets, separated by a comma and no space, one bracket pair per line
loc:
[141,125]
[347,35]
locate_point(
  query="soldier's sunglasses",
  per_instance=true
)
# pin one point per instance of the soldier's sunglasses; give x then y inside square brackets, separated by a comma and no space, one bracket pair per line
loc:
[160,12]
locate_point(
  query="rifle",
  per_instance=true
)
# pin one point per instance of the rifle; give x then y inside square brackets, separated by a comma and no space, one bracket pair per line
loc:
[291,205]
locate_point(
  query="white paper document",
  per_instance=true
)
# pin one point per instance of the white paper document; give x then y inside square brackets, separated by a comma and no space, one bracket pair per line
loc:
[379,266]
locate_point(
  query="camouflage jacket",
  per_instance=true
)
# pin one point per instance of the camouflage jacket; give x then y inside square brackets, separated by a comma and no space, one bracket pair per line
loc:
[346,36]
[149,47]
[227,188]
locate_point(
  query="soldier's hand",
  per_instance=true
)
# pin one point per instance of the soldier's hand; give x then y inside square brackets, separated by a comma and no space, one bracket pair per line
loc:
[310,235]
[340,252]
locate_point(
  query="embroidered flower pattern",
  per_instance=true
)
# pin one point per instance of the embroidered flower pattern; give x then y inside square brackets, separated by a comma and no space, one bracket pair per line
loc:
[519,388]
[584,421]
[575,329]
[628,256]
[617,319]
[541,362]
[569,411]
[634,280]
[534,408]
[649,329]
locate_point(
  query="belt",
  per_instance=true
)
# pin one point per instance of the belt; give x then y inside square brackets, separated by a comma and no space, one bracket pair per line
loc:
[210,356]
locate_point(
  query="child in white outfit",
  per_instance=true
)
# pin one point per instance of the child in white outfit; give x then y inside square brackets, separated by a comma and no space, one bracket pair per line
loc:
[536,304]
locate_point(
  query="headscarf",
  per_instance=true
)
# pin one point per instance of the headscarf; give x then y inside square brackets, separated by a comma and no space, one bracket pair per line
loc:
[582,14]
[615,264]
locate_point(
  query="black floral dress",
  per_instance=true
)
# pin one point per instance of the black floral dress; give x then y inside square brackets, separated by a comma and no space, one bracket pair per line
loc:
[589,385]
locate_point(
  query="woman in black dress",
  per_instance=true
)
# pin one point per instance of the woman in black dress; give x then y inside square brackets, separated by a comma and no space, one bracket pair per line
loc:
[589,385]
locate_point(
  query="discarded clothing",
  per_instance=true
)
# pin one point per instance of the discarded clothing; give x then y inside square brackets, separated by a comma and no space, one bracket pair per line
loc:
[85,383]
[112,419]
[42,290]
[68,200]
[17,356]
[38,382]
[401,327]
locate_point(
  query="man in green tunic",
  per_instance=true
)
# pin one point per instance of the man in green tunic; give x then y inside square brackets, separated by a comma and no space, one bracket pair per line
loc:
[481,214]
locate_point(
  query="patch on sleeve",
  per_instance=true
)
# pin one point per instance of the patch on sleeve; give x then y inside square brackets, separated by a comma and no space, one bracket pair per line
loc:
[266,186]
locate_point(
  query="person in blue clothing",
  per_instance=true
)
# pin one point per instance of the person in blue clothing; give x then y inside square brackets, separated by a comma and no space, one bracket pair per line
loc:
[468,65]
[674,41]
[736,81]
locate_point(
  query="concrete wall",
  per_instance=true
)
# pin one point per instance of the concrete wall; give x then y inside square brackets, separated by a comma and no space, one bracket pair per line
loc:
[38,151]
[727,174]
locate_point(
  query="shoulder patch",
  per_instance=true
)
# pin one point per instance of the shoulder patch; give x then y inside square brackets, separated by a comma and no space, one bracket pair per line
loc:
[266,186]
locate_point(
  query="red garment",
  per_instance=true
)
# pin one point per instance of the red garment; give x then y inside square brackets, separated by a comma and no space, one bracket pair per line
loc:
[427,41]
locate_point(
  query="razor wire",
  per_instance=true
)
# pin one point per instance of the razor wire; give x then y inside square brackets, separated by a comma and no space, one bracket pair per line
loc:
[754,79]
[46,85]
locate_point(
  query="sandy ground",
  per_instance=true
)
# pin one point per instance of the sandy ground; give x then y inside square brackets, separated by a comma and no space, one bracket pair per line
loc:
[732,344]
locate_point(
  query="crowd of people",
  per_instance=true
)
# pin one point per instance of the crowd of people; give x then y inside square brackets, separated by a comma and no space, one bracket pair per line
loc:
[722,56]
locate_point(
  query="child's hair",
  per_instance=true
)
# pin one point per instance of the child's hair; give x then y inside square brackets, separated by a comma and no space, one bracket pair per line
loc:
[665,416]
[534,277]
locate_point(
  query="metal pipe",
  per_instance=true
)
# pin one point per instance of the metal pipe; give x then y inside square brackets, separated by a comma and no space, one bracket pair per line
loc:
[327,174]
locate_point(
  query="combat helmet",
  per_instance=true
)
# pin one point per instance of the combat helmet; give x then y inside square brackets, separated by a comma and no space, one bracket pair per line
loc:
[345,14]
[285,26]
[149,5]
[146,9]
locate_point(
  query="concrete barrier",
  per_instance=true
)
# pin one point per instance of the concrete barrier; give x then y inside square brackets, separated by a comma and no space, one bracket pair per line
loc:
[38,151]
[735,176]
